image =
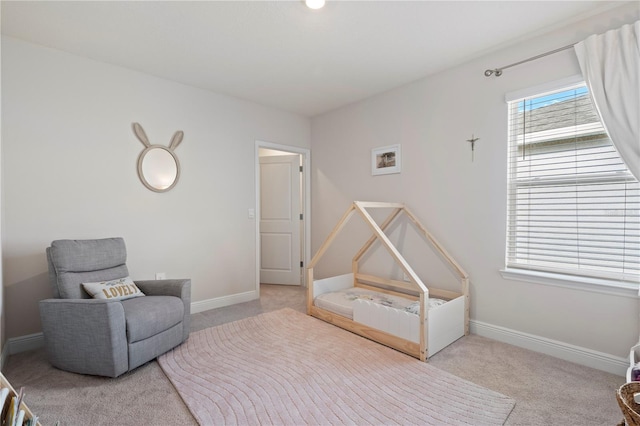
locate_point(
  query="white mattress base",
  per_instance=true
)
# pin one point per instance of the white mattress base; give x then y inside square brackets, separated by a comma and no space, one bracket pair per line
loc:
[342,302]
[445,323]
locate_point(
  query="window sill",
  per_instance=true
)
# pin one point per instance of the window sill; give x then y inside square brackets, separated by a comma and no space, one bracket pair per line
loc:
[595,285]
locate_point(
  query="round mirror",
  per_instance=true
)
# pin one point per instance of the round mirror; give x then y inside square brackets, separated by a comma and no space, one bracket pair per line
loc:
[158,168]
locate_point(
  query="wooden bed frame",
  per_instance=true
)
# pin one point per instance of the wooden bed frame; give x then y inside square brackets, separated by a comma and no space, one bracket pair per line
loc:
[418,349]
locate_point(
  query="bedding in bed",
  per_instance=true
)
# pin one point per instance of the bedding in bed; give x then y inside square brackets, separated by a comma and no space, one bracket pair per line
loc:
[341,302]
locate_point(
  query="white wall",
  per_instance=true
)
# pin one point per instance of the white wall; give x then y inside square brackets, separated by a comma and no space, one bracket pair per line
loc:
[463,203]
[69,164]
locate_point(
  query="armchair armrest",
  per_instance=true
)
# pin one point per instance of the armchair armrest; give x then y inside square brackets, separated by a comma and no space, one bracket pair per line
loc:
[86,336]
[177,287]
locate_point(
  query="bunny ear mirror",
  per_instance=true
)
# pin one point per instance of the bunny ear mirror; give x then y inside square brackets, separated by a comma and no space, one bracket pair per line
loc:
[158,165]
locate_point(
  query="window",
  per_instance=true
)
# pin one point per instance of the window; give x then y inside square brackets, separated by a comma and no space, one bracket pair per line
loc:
[573,206]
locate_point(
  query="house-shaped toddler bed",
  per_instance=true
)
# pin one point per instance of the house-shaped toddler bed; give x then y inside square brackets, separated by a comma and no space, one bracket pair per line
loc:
[404,315]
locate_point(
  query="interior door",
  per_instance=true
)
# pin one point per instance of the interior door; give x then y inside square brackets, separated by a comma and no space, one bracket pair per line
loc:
[280,219]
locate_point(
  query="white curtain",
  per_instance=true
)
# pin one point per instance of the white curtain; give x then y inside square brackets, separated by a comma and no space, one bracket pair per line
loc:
[610,65]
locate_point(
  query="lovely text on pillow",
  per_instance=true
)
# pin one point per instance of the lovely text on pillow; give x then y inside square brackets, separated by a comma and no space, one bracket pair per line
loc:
[119,289]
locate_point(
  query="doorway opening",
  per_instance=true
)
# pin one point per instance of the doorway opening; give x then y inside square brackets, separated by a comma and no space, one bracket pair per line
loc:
[282,214]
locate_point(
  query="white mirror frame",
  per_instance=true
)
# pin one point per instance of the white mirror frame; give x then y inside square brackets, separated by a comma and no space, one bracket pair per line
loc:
[145,179]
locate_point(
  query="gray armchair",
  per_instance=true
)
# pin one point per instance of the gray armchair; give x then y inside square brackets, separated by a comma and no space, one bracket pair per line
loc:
[108,337]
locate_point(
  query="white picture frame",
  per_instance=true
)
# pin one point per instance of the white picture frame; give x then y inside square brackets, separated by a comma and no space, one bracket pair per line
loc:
[386,160]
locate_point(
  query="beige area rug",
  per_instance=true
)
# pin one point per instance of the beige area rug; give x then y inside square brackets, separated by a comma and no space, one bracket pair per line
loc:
[286,368]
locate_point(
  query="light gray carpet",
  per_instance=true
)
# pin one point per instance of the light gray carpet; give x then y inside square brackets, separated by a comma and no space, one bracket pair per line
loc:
[547,391]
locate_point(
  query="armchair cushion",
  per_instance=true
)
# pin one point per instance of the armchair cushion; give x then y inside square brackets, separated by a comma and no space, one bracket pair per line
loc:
[120,289]
[82,261]
[150,315]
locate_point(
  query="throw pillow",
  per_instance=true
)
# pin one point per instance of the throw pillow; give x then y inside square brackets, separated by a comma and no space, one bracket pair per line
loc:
[120,289]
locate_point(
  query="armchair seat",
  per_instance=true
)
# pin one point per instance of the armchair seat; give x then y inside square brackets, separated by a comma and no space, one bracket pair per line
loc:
[147,316]
[107,337]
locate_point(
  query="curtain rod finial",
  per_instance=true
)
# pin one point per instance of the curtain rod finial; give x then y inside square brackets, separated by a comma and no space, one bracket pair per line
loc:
[489,73]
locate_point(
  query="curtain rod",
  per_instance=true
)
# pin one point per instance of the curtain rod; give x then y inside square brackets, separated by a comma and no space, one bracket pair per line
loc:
[498,71]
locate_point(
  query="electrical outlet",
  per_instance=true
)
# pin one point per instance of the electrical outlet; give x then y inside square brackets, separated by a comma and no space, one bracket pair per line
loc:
[161,276]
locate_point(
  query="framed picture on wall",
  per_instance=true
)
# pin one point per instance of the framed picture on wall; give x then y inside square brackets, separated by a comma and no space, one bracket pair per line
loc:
[386,160]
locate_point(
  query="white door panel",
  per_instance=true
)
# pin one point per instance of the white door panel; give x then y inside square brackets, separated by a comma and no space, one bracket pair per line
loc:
[280,219]
[276,252]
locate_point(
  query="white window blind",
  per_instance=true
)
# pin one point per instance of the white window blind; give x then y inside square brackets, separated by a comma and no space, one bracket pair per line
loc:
[573,206]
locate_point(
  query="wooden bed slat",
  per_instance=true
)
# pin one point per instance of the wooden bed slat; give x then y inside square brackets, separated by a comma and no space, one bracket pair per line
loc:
[309,290]
[402,345]
[393,251]
[386,291]
[385,281]
[461,273]
[373,238]
[444,294]
[379,204]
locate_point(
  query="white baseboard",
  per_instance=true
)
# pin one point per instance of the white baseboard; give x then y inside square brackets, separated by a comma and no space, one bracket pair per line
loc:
[25,343]
[579,355]
[219,302]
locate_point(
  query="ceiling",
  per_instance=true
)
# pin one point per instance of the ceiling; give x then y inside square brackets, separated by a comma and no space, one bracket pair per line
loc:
[280,53]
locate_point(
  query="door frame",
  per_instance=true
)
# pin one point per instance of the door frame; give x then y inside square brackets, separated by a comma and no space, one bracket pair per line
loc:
[305,234]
